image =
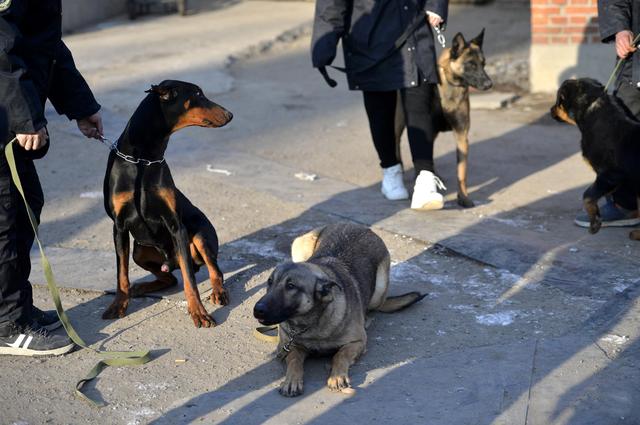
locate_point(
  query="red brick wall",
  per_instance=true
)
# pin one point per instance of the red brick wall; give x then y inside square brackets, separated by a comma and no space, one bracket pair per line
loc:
[564,22]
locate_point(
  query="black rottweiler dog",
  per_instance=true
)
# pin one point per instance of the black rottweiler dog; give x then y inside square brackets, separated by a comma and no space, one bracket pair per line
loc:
[610,141]
[142,200]
[459,67]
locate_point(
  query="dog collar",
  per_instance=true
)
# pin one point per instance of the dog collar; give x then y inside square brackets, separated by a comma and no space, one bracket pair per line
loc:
[131,159]
[287,347]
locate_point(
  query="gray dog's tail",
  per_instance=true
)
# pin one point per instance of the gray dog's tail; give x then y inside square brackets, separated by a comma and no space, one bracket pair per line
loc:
[397,303]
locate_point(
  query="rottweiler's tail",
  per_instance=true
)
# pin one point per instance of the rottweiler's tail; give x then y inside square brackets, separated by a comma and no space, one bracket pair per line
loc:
[397,303]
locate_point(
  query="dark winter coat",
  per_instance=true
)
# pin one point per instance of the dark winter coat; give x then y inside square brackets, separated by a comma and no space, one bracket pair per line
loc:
[619,15]
[368,30]
[35,65]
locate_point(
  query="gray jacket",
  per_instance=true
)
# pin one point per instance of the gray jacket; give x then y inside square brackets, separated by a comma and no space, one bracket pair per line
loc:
[619,15]
[368,30]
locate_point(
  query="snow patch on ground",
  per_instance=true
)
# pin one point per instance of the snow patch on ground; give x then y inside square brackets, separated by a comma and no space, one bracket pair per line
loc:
[503,318]
[259,248]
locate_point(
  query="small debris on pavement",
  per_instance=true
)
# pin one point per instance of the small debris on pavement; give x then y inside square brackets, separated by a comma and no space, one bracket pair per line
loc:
[91,195]
[218,170]
[180,360]
[306,177]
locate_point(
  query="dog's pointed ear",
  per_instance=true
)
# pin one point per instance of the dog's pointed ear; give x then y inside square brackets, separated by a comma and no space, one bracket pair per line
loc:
[325,289]
[163,92]
[457,45]
[479,39]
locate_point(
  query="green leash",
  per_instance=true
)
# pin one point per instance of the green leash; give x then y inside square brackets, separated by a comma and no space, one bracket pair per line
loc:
[617,68]
[109,358]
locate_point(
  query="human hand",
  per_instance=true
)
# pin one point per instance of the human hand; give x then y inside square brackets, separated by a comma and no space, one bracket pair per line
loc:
[623,43]
[91,126]
[33,141]
[434,20]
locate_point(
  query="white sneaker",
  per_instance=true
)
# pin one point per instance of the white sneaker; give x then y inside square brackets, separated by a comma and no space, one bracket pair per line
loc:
[392,185]
[425,192]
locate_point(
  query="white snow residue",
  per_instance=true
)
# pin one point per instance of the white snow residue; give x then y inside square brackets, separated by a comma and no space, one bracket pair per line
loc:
[92,195]
[211,169]
[139,416]
[504,318]
[404,273]
[263,249]
[306,176]
[615,339]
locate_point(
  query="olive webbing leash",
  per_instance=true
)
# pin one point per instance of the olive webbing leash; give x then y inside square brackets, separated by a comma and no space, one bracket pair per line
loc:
[109,358]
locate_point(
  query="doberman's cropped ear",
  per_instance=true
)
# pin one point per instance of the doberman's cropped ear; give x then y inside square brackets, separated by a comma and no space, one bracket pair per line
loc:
[457,46]
[479,39]
[164,93]
[325,289]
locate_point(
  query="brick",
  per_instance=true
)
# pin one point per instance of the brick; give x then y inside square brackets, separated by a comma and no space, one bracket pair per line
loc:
[535,2]
[578,19]
[579,10]
[560,2]
[545,11]
[546,30]
[578,39]
[559,20]
[539,20]
[560,39]
[573,30]
[540,39]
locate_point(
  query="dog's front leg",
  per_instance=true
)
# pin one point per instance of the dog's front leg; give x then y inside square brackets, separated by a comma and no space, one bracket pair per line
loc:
[342,361]
[462,155]
[605,184]
[292,385]
[118,307]
[194,305]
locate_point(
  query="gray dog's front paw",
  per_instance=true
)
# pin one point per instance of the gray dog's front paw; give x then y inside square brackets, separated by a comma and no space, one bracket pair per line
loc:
[338,382]
[291,387]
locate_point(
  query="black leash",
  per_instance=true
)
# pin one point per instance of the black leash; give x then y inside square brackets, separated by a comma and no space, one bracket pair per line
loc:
[418,22]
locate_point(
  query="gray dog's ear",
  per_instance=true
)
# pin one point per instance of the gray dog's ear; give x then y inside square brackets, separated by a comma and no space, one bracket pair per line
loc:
[164,93]
[457,46]
[479,39]
[324,289]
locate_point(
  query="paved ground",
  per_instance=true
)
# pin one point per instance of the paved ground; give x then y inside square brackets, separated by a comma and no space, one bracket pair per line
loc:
[529,320]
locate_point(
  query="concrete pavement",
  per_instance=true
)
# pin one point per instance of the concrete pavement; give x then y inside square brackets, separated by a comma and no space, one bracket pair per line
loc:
[529,320]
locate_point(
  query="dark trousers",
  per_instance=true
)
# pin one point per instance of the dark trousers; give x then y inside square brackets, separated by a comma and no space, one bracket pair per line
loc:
[381,111]
[630,96]
[16,238]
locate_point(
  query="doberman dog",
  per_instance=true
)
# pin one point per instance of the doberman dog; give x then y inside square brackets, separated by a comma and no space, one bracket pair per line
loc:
[609,141]
[459,67]
[141,198]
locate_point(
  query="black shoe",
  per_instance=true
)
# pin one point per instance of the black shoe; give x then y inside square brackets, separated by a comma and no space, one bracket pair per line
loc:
[32,340]
[47,319]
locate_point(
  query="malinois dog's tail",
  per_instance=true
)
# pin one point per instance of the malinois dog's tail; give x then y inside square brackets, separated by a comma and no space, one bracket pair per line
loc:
[397,303]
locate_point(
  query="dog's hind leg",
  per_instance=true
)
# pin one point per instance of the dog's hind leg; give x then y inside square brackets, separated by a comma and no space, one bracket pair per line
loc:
[152,260]
[209,255]
[304,246]
[462,154]
[381,285]
[342,361]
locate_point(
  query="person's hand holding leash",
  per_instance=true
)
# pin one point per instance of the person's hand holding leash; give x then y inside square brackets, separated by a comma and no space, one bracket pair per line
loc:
[623,44]
[91,126]
[33,141]
[434,19]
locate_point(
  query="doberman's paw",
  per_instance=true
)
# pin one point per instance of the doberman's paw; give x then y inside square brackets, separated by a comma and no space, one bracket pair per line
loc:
[219,296]
[291,387]
[465,202]
[201,318]
[338,382]
[117,310]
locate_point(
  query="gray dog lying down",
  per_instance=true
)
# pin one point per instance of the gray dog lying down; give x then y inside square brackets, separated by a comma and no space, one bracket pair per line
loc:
[338,273]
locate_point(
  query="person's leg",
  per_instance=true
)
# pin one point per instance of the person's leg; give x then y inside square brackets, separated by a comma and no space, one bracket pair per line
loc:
[381,111]
[416,102]
[15,291]
[630,96]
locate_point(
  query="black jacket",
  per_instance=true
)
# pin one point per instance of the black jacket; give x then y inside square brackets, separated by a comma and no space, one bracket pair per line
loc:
[369,29]
[35,65]
[619,15]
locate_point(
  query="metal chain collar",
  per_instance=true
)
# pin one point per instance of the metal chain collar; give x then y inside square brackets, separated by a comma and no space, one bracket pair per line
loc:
[131,159]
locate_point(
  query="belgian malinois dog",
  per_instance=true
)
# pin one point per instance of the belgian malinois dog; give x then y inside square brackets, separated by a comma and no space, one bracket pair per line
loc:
[461,66]
[320,300]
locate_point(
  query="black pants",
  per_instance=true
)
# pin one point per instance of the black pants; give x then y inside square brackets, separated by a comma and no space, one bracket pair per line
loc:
[630,96]
[381,111]
[16,238]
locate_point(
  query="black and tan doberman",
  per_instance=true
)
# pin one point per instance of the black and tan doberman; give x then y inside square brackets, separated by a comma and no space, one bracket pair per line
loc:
[141,198]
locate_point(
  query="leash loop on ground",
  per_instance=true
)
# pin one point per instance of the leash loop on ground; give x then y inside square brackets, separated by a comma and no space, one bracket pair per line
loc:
[110,358]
